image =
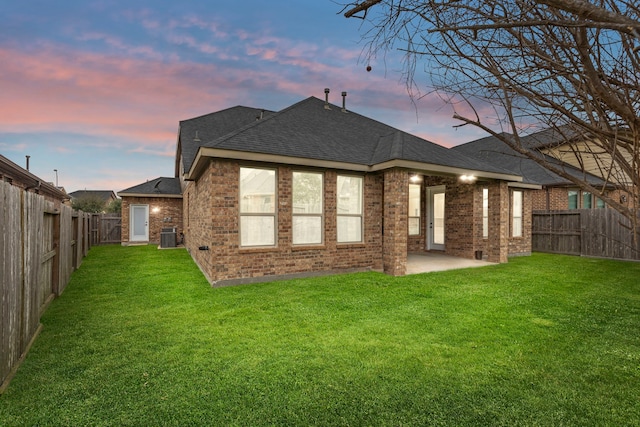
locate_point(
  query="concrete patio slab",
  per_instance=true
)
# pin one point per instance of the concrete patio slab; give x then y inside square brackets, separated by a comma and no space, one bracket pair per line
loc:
[434,261]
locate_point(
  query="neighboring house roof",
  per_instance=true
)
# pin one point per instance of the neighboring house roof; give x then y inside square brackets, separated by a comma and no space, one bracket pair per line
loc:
[491,149]
[309,133]
[104,195]
[159,187]
[195,132]
[21,177]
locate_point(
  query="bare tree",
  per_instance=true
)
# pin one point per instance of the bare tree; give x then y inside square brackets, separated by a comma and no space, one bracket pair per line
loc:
[568,65]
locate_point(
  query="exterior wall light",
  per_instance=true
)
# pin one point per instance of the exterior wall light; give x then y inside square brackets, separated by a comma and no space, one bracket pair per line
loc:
[155,210]
[415,178]
[468,179]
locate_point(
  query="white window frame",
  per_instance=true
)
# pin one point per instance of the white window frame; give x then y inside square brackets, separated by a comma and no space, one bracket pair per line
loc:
[517,209]
[485,213]
[307,215]
[350,216]
[415,216]
[269,218]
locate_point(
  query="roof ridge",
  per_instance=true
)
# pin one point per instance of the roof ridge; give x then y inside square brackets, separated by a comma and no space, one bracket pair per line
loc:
[222,111]
[265,119]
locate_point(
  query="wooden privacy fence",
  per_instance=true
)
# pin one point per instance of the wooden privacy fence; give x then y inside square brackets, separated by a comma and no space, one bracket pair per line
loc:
[40,246]
[106,228]
[587,232]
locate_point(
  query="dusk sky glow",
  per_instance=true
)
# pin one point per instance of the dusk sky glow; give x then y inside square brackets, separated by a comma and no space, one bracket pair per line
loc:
[96,89]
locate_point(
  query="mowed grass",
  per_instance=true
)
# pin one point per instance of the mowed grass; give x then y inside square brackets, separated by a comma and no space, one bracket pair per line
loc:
[140,338]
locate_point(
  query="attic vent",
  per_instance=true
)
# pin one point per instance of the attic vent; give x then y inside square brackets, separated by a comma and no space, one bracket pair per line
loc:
[326,99]
[196,139]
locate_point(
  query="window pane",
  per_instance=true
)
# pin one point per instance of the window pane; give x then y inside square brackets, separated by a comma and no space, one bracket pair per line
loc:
[573,199]
[414,226]
[257,230]
[307,230]
[599,203]
[257,190]
[414,200]
[485,212]
[517,214]
[586,200]
[349,195]
[307,192]
[517,227]
[438,218]
[349,229]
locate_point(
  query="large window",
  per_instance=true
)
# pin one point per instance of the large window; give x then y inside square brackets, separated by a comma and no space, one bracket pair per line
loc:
[583,199]
[573,199]
[257,207]
[516,209]
[485,213]
[307,208]
[414,209]
[350,196]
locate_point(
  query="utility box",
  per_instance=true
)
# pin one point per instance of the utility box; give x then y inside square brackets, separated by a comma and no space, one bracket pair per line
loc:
[168,238]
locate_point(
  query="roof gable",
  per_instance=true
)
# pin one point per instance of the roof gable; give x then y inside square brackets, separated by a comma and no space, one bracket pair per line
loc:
[310,130]
[200,130]
[491,149]
[158,187]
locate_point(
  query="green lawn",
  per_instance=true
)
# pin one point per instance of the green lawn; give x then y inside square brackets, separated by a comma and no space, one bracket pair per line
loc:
[139,338]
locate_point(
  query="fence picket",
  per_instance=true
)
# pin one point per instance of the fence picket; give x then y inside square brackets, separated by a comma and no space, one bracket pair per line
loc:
[601,233]
[36,261]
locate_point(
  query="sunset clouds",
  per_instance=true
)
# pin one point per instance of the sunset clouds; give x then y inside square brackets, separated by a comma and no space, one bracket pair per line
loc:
[96,90]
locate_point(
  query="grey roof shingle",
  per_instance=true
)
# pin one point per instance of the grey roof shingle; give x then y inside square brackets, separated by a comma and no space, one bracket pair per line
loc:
[199,130]
[162,186]
[104,195]
[491,149]
[309,130]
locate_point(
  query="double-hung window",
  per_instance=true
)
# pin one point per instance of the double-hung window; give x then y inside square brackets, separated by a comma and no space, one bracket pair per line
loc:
[349,212]
[414,209]
[485,213]
[257,207]
[516,210]
[307,197]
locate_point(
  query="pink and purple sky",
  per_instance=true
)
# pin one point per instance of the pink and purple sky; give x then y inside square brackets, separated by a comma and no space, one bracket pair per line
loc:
[95,89]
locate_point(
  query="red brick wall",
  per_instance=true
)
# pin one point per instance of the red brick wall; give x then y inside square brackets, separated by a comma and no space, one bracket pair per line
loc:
[212,206]
[550,198]
[460,217]
[521,245]
[396,199]
[164,212]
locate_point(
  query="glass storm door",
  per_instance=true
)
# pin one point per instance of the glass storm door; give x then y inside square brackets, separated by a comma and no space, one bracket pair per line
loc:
[139,223]
[436,229]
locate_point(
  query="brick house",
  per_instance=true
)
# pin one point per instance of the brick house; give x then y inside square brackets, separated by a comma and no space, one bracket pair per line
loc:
[148,208]
[555,192]
[317,189]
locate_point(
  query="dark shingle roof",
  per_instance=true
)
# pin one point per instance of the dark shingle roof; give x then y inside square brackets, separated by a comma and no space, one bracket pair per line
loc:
[158,187]
[199,130]
[104,195]
[309,130]
[491,149]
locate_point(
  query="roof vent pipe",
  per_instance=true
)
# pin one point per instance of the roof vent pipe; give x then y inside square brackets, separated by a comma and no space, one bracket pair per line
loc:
[326,99]
[344,102]
[27,162]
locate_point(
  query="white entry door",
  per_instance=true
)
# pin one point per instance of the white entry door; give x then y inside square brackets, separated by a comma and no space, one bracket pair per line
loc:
[435,240]
[139,221]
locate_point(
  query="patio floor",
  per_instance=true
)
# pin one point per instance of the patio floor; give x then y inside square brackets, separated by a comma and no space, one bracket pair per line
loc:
[426,262]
